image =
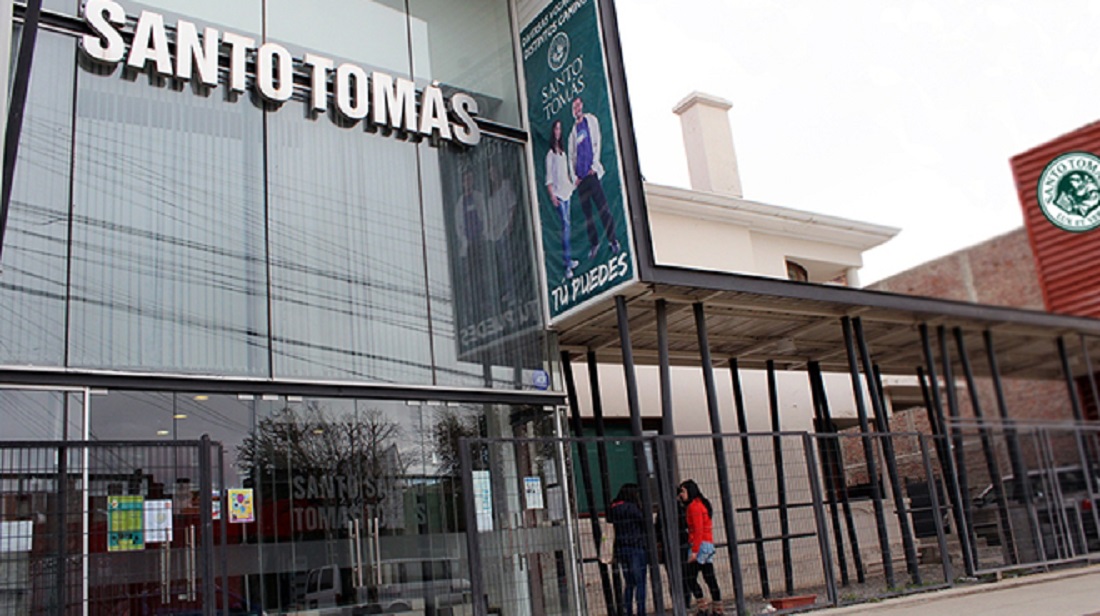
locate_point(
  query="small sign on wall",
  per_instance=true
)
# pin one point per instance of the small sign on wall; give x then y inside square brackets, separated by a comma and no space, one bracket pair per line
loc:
[125,523]
[241,508]
[158,521]
[532,492]
[483,500]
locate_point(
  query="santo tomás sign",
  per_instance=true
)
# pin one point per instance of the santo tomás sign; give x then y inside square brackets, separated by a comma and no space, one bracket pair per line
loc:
[375,97]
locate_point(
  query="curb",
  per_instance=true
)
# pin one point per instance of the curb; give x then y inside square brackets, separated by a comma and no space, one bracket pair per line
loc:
[942,595]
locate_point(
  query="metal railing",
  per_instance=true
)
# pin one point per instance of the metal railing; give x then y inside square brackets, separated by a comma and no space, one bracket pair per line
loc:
[108,527]
[800,519]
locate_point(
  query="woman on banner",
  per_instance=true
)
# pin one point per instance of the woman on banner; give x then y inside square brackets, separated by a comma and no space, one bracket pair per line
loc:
[560,183]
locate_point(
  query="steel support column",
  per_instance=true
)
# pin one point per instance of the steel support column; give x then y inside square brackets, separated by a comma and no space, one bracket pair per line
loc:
[750,479]
[17,104]
[729,513]
[668,426]
[947,459]
[1082,448]
[635,407]
[1019,469]
[586,477]
[826,429]
[597,416]
[869,454]
[473,547]
[819,520]
[987,449]
[937,519]
[874,387]
[957,443]
[780,479]
[206,518]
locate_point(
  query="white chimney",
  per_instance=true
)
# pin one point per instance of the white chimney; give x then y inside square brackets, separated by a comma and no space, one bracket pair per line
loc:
[712,162]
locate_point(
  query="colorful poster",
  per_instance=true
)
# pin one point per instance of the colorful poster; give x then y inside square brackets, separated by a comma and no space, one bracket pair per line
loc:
[158,521]
[125,523]
[241,510]
[586,244]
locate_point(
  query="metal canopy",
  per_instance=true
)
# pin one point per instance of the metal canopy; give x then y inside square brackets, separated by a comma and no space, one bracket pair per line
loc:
[757,319]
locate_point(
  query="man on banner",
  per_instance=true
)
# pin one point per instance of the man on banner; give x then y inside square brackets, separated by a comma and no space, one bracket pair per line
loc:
[584,158]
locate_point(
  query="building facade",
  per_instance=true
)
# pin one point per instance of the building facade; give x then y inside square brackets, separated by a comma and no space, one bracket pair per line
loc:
[304,233]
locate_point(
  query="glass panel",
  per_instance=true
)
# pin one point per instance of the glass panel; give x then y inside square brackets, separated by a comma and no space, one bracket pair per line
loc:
[486,315]
[32,287]
[469,48]
[168,235]
[33,415]
[373,34]
[347,257]
[332,492]
[239,16]
[68,7]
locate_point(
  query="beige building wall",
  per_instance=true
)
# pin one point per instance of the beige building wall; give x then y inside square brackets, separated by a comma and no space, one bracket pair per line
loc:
[711,226]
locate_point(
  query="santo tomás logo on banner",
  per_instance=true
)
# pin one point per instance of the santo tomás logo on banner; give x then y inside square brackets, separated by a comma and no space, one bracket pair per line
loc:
[582,208]
[1069,192]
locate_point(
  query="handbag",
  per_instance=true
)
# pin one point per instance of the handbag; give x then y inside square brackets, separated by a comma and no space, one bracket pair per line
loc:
[606,551]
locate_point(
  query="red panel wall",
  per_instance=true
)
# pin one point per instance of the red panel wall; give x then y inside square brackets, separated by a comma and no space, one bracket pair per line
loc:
[1068,263]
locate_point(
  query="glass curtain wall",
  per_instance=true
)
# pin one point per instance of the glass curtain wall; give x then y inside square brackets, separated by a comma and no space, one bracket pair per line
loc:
[159,226]
[356,502]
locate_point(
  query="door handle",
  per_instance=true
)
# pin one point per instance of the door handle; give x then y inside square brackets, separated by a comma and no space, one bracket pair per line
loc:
[358,555]
[165,573]
[191,561]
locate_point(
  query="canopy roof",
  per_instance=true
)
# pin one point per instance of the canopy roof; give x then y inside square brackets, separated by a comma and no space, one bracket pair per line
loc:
[757,319]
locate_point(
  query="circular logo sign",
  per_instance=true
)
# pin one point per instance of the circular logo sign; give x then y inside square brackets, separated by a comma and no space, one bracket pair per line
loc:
[1069,192]
[559,51]
[540,379]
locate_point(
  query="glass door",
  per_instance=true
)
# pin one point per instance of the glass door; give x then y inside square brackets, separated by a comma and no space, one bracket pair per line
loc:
[43,500]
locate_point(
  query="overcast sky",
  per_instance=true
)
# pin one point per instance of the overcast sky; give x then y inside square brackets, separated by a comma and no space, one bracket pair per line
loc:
[903,112]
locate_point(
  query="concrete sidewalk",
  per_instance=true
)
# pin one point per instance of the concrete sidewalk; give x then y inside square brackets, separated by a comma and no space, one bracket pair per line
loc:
[1074,592]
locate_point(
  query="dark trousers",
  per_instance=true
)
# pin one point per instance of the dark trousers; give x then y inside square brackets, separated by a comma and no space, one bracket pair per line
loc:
[692,579]
[590,194]
[633,564]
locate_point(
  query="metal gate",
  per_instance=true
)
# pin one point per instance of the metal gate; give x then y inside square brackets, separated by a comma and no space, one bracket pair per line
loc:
[798,519]
[538,515]
[111,528]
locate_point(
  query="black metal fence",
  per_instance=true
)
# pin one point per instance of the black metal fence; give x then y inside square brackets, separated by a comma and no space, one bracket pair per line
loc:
[817,519]
[109,528]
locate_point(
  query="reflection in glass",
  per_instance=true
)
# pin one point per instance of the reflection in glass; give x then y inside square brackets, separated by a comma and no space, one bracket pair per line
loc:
[372,33]
[168,236]
[471,49]
[347,265]
[487,318]
[32,285]
[32,415]
[239,16]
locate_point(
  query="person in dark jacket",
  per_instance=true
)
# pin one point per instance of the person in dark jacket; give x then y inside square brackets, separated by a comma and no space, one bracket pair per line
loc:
[699,515]
[630,546]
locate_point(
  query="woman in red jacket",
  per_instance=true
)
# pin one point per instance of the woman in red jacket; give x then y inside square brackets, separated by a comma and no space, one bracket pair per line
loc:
[699,516]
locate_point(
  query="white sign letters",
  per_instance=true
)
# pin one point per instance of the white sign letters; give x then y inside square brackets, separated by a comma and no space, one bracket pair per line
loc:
[377,97]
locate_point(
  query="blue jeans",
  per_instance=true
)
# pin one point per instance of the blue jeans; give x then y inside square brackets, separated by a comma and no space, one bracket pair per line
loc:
[633,562]
[566,232]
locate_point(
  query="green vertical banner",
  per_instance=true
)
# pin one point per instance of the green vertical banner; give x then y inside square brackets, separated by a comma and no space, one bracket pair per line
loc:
[125,523]
[587,251]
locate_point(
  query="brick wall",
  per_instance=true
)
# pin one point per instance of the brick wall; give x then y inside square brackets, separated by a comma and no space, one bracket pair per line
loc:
[1000,271]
